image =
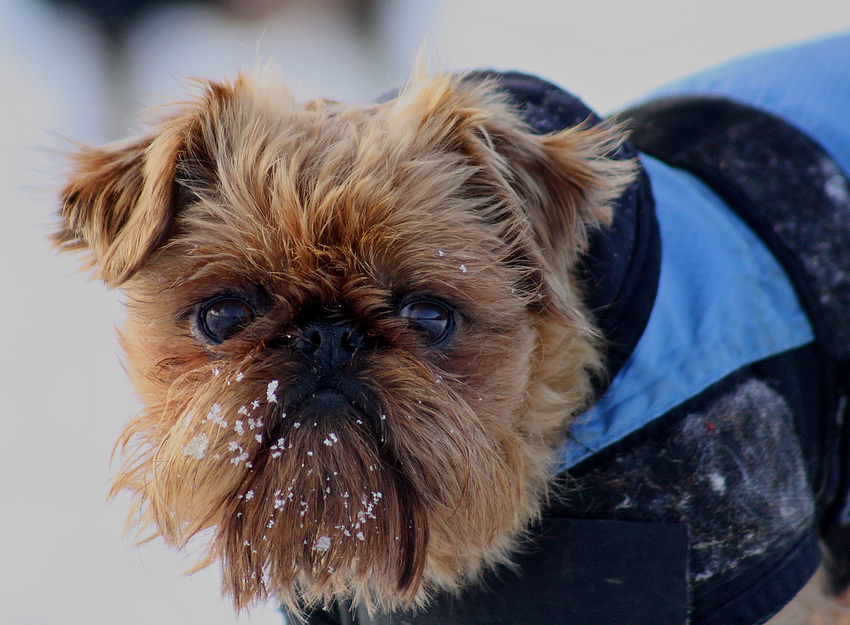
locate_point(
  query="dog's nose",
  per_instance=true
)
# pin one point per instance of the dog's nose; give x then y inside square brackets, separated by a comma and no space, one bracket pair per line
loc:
[329,343]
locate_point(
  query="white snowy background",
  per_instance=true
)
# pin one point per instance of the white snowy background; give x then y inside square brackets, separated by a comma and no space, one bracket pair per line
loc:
[63,397]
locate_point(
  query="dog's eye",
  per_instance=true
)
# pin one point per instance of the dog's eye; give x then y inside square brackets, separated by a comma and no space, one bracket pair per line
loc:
[223,317]
[435,321]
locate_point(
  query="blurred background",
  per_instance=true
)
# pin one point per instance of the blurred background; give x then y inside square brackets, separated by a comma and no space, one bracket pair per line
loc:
[81,70]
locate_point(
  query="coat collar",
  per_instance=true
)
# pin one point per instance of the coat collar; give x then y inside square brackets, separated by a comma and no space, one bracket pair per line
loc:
[619,273]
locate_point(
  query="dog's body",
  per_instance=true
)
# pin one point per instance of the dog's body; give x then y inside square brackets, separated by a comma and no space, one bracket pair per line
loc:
[362,332]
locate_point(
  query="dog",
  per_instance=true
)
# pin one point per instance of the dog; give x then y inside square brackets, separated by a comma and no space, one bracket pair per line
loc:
[384,349]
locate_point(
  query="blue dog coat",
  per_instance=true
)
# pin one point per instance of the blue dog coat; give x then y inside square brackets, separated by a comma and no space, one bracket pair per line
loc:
[710,477]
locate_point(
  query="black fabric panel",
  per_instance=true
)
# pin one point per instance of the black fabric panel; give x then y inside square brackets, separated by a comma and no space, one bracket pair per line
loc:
[578,572]
[770,591]
[332,615]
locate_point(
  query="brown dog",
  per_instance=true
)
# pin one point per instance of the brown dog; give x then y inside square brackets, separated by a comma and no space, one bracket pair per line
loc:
[356,329]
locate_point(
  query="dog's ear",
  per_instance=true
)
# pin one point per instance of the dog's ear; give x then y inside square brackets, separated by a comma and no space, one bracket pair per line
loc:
[549,190]
[121,199]
[564,184]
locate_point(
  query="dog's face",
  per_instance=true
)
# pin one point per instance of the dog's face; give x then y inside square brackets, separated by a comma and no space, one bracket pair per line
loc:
[355,329]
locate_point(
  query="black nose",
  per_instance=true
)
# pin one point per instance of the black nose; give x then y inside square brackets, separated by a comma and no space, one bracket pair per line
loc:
[329,343]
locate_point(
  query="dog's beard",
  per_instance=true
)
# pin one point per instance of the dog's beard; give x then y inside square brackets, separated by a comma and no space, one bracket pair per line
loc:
[308,497]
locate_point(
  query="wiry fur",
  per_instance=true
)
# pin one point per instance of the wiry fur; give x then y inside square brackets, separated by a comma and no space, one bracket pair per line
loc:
[429,476]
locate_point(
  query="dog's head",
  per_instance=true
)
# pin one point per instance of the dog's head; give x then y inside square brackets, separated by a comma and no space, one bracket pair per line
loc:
[356,329]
